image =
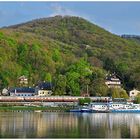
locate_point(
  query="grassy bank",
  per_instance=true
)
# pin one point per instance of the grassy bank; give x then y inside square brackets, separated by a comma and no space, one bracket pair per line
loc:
[33,108]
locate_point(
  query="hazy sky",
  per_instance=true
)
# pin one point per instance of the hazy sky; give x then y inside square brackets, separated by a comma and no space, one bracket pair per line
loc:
[116,17]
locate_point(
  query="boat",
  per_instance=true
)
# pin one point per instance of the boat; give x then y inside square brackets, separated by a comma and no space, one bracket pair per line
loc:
[81,109]
[124,108]
[99,108]
[117,105]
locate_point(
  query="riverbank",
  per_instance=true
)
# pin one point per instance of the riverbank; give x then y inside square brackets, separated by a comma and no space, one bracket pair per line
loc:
[34,108]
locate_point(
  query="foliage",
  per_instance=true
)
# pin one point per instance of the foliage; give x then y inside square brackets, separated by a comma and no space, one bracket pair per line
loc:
[60,85]
[137,100]
[118,93]
[75,73]
[82,101]
[69,51]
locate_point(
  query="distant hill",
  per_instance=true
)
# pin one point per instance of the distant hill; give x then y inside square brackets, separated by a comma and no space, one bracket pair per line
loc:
[132,37]
[49,46]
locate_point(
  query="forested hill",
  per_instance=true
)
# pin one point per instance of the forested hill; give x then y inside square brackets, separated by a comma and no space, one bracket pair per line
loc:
[70,51]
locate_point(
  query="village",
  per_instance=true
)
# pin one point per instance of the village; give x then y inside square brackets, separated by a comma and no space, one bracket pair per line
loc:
[43,91]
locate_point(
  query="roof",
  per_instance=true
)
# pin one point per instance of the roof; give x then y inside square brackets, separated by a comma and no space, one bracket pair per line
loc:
[135,90]
[23,90]
[22,77]
[45,86]
[112,77]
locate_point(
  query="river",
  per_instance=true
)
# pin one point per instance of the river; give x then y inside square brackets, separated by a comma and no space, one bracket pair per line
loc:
[69,125]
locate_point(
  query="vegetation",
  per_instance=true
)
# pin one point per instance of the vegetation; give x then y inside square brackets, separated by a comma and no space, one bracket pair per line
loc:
[83,101]
[33,108]
[71,53]
[118,93]
[137,99]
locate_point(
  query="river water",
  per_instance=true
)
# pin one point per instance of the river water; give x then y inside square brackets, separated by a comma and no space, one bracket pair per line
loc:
[69,125]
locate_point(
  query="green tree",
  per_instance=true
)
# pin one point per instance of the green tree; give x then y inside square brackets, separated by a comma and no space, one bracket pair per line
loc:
[115,93]
[56,55]
[77,72]
[60,85]
[137,100]
[47,77]
[123,94]
[97,85]
[82,101]
[72,83]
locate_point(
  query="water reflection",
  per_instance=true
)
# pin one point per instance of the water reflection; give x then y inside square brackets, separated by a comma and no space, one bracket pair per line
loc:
[69,125]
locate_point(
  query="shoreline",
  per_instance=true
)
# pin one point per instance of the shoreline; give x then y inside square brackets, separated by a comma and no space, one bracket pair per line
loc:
[34,108]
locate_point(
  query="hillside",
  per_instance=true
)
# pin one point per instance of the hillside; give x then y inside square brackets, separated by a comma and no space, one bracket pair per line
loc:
[61,48]
[135,38]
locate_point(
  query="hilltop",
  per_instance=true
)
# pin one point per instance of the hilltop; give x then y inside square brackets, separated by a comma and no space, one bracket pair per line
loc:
[61,48]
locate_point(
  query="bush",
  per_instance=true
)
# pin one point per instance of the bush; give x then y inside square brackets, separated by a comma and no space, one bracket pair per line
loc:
[82,101]
[137,100]
[118,93]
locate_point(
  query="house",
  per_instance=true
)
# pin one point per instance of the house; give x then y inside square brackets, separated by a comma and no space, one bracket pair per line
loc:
[44,89]
[113,81]
[24,91]
[5,92]
[23,80]
[133,93]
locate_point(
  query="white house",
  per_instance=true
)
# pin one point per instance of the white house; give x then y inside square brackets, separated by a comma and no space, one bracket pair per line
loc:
[133,93]
[112,81]
[44,89]
[5,92]
[24,91]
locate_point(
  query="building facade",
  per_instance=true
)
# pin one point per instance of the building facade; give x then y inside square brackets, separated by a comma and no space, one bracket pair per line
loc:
[133,93]
[23,92]
[23,80]
[112,81]
[44,89]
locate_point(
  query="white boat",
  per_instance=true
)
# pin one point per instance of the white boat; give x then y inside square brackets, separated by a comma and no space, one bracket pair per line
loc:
[113,107]
[124,107]
[81,109]
[99,107]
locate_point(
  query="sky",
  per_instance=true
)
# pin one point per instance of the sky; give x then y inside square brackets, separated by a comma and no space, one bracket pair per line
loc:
[116,17]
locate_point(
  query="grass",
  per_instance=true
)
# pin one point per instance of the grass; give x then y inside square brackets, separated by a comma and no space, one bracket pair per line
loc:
[33,108]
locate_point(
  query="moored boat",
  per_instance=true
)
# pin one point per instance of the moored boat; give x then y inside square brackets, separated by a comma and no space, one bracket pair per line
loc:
[124,108]
[81,109]
[110,107]
[99,108]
